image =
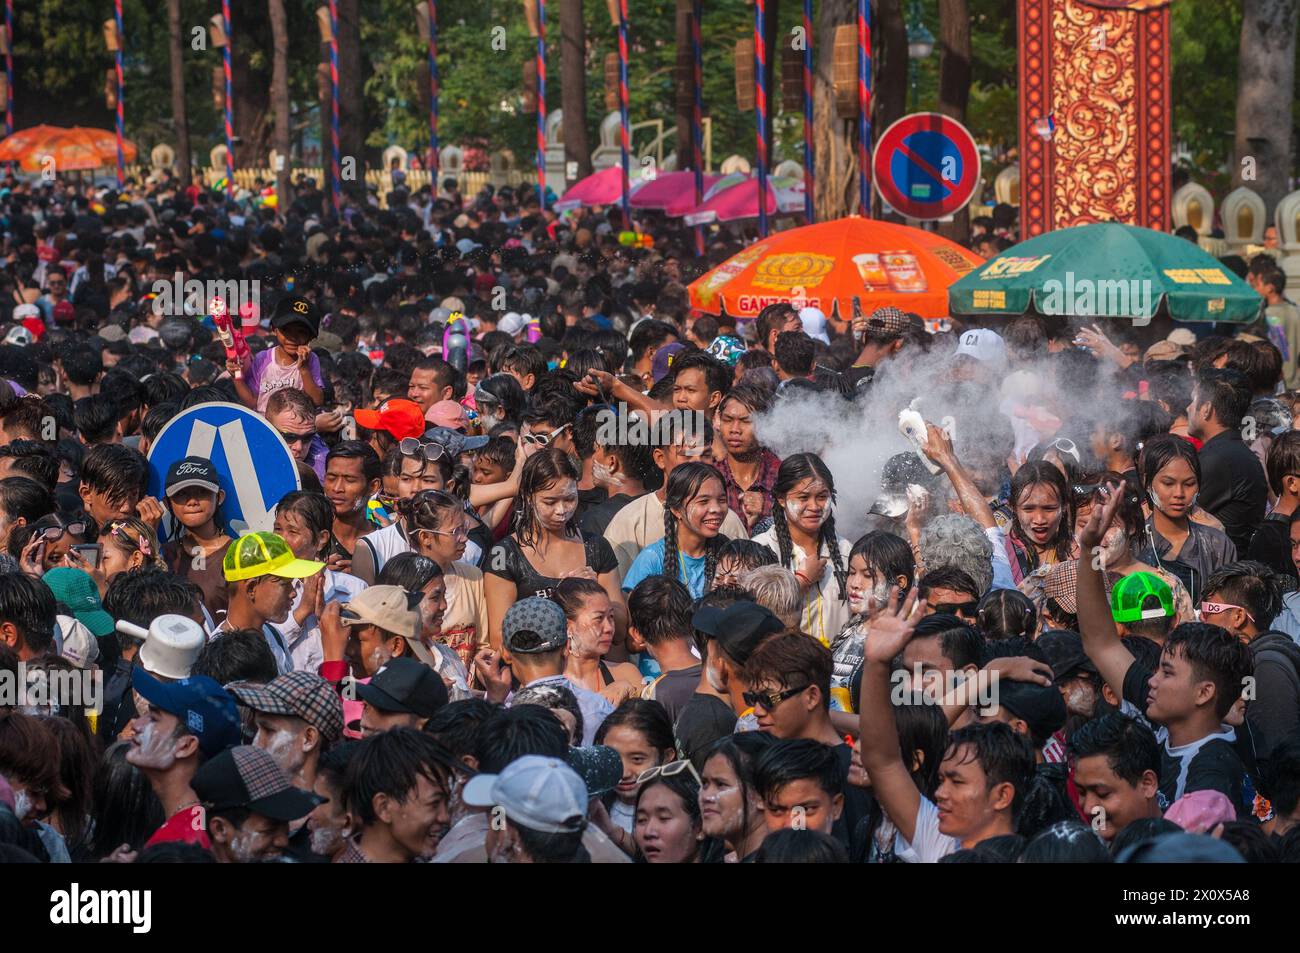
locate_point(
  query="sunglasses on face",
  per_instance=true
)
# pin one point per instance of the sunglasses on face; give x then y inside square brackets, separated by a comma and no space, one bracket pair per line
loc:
[50,533]
[543,439]
[955,608]
[295,438]
[415,447]
[1214,608]
[769,700]
[669,770]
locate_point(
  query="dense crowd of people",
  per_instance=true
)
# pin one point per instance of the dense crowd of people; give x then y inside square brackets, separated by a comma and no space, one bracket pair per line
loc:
[554,588]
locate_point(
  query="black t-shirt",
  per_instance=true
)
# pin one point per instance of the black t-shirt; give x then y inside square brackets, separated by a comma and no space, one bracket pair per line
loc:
[674,689]
[597,519]
[1207,764]
[859,378]
[702,721]
[857,801]
[508,561]
[1271,544]
[588,499]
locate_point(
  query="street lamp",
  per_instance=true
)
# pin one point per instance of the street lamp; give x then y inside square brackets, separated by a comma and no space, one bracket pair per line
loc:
[920,44]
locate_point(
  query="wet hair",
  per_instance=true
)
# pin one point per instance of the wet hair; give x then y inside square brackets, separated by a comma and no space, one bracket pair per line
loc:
[886,555]
[717,376]
[798,759]
[791,660]
[1283,460]
[507,392]
[1007,613]
[314,509]
[29,606]
[81,363]
[1043,474]
[553,696]
[96,417]
[1161,451]
[511,733]
[500,451]
[755,399]
[28,752]
[790,846]
[457,724]
[660,608]
[392,762]
[25,417]
[948,577]
[1003,755]
[126,809]
[1065,842]
[1130,747]
[684,484]
[116,471]
[1215,655]
[962,644]
[1250,841]
[771,318]
[428,508]
[1143,829]
[372,468]
[741,751]
[793,471]
[33,459]
[546,466]
[409,571]
[141,595]
[239,655]
[523,359]
[647,718]
[21,497]
[1226,390]
[749,554]
[650,335]
[1248,584]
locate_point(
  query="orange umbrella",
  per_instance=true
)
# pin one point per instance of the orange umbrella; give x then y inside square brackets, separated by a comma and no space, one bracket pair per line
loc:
[828,264]
[71,149]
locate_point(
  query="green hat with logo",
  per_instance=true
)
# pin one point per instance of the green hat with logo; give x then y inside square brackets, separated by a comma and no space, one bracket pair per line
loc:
[1132,593]
[76,590]
[265,554]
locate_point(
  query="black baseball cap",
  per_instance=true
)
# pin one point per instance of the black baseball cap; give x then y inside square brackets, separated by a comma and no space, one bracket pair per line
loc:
[191,471]
[738,628]
[295,309]
[1040,706]
[1063,649]
[248,777]
[405,686]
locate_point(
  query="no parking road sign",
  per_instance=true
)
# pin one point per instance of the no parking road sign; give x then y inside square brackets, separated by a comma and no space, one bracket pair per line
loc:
[254,465]
[926,166]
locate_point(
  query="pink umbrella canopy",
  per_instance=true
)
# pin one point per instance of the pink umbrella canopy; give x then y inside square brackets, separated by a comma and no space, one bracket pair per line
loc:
[600,188]
[673,192]
[740,200]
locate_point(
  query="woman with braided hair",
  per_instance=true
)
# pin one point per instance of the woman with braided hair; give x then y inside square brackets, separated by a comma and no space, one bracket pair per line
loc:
[694,508]
[804,539]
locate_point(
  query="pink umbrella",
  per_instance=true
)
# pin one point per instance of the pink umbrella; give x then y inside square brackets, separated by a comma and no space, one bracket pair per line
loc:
[673,192]
[784,196]
[600,188]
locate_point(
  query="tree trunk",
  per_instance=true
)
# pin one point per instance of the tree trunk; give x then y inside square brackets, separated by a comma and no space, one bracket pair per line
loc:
[1265,89]
[686,157]
[180,122]
[834,138]
[573,55]
[889,65]
[280,95]
[326,95]
[954,88]
[352,132]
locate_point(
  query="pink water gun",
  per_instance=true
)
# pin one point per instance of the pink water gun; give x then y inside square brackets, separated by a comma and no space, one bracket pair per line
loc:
[221,318]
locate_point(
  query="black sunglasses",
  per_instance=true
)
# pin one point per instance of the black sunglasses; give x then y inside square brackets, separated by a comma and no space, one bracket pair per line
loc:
[769,700]
[292,438]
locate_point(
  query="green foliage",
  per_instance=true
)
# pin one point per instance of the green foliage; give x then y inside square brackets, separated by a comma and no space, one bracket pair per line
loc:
[1204,42]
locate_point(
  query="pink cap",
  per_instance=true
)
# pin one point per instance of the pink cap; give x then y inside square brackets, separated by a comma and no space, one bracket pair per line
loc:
[1201,811]
[449,414]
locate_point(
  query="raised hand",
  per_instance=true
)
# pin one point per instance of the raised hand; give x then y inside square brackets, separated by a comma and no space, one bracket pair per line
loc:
[891,629]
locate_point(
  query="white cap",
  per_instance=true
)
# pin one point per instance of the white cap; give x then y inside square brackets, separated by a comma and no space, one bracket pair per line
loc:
[141,334]
[1183,337]
[465,246]
[171,646]
[541,794]
[814,324]
[76,642]
[20,336]
[26,311]
[984,345]
[512,323]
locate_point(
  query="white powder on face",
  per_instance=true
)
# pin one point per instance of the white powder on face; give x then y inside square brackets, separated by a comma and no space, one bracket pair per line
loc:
[154,749]
[22,803]
[243,847]
[281,747]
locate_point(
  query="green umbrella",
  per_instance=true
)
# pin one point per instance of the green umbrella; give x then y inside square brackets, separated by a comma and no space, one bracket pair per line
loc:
[1106,270]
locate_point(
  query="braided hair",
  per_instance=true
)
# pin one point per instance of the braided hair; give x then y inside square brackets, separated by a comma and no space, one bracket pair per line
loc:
[684,484]
[794,470]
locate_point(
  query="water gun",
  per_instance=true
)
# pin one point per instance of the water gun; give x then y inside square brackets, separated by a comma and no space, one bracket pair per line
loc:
[534,330]
[232,336]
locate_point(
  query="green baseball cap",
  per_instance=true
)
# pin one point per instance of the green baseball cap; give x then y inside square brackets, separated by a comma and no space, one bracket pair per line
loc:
[76,590]
[265,554]
[1131,594]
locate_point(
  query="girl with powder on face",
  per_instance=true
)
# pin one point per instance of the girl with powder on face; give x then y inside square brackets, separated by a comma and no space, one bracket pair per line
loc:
[731,810]
[878,563]
[591,635]
[547,546]
[804,539]
[694,509]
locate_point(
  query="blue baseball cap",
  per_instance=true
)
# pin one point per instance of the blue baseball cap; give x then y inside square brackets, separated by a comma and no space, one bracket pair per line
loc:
[202,705]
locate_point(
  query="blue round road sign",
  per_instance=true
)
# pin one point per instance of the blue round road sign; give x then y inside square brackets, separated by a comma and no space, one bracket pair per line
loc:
[926,166]
[254,465]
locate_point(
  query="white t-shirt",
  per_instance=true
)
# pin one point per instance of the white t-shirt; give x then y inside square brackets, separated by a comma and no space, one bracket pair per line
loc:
[927,844]
[823,614]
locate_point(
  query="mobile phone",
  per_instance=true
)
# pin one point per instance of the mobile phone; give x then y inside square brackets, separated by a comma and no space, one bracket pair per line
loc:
[90,552]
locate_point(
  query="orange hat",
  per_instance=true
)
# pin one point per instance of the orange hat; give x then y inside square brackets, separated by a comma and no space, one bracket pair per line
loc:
[398,416]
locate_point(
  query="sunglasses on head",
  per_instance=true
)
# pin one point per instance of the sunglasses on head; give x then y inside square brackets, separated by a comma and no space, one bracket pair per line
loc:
[415,447]
[1214,608]
[543,439]
[669,770]
[1066,446]
[769,700]
[52,531]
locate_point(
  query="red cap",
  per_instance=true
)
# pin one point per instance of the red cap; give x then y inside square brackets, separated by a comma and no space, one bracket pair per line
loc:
[64,312]
[398,416]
